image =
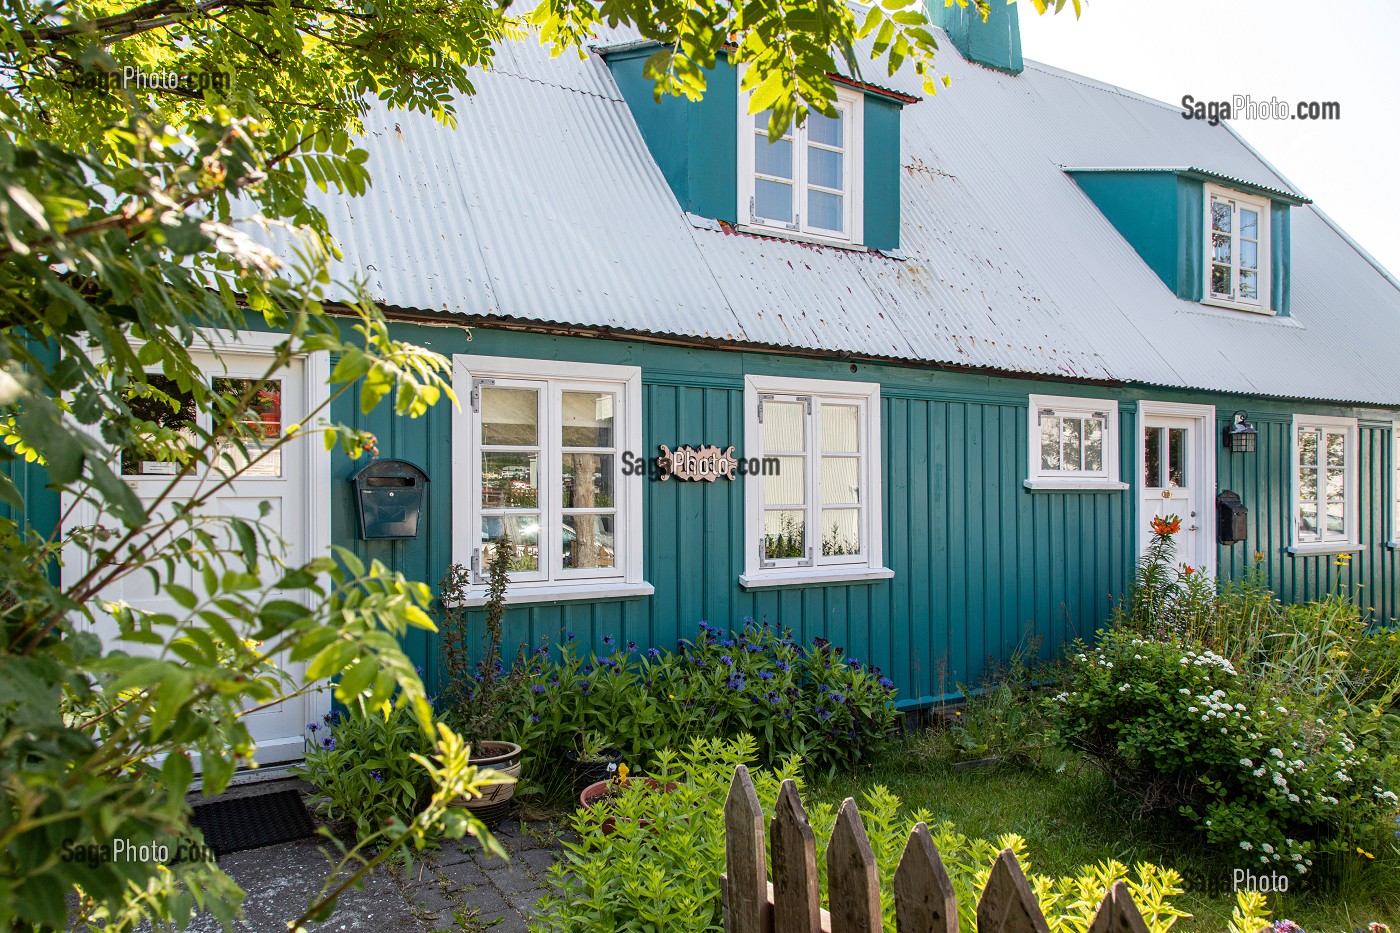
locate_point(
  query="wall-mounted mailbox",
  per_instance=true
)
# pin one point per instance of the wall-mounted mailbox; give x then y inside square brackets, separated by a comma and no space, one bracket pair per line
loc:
[390,497]
[1233,523]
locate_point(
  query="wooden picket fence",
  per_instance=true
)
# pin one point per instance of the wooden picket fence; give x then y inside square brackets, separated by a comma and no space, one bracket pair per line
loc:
[923,892]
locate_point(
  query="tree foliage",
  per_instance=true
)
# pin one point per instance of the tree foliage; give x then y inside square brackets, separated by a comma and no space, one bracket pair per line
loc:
[135,223]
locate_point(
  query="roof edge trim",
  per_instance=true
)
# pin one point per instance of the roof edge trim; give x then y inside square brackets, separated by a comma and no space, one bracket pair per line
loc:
[1200,174]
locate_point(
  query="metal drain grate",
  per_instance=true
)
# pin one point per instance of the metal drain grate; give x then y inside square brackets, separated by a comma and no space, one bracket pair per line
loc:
[253,822]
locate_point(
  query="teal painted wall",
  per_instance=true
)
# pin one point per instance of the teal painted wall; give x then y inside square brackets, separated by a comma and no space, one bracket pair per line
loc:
[995,43]
[41,511]
[1146,208]
[881,181]
[694,143]
[979,561]
[1281,251]
[1190,239]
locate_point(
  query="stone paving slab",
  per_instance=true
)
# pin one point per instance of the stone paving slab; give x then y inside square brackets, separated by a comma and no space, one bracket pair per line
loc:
[456,888]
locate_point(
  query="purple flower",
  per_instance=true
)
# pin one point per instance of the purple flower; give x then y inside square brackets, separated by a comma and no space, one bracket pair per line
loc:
[653,653]
[766,675]
[534,717]
[377,776]
[728,661]
[698,660]
[568,636]
[772,698]
[608,640]
[887,683]
[329,743]
[704,626]
[753,648]
[736,682]
[631,646]
[585,686]
[823,713]
[853,662]
[727,643]
[313,727]
[537,688]
[838,698]
[784,666]
[824,688]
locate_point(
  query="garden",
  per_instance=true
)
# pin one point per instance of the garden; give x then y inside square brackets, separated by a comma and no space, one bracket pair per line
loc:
[1232,759]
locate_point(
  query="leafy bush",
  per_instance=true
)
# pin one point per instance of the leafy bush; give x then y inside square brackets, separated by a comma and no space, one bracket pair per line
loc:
[816,703]
[1251,720]
[659,868]
[363,769]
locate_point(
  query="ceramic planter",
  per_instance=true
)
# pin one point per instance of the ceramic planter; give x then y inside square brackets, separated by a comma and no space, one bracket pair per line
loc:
[503,757]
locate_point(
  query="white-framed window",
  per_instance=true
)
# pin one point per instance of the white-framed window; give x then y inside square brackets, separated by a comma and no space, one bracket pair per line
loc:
[538,455]
[1237,250]
[807,184]
[814,506]
[1325,452]
[1073,443]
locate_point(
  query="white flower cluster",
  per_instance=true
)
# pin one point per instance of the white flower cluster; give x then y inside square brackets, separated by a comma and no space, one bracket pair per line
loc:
[1295,855]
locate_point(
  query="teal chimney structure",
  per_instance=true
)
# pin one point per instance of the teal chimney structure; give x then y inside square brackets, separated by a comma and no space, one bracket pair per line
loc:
[995,43]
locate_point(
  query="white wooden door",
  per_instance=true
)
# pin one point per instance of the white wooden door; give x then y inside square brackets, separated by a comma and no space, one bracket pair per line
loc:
[281,481]
[1178,478]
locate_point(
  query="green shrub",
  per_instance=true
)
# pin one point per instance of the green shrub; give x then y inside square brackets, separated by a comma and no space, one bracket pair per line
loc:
[659,868]
[362,768]
[812,702]
[1255,722]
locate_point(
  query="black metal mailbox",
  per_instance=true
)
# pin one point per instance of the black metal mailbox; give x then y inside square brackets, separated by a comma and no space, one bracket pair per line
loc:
[1233,518]
[390,496]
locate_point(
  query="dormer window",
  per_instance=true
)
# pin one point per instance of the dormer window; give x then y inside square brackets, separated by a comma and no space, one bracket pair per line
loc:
[1237,274]
[805,185]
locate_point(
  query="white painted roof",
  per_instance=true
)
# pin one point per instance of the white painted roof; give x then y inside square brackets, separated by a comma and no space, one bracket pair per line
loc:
[544,205]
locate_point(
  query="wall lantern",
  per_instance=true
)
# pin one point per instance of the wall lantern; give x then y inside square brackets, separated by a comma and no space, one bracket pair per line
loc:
[389,494]
[1240,436]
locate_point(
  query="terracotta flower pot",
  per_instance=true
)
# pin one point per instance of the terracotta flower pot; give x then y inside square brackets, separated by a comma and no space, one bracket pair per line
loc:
[595,793]
[503,757]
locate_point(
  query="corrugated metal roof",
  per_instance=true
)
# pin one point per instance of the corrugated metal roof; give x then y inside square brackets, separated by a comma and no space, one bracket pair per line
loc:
[545,205]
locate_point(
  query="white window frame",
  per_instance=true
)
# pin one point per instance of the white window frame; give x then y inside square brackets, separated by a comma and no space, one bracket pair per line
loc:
[818,568]
[852,105]
[1265,209]
[1322,544]
[1394,541]
[552,581]
[1108,478]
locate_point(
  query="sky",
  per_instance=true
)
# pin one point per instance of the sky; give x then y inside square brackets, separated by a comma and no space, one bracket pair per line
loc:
[1296,50]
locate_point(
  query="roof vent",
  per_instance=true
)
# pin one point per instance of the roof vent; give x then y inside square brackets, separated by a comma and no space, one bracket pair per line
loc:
[995,43]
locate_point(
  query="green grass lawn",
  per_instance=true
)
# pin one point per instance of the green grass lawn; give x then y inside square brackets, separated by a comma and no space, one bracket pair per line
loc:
[1070,816]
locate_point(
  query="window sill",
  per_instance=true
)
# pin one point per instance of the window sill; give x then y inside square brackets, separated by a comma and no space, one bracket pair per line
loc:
[1260,308]
[1327,547]
[782,233]
[521,594]
[811,576]
[1074,485]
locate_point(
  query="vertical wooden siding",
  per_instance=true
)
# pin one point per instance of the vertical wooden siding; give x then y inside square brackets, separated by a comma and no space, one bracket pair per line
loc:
[980,562]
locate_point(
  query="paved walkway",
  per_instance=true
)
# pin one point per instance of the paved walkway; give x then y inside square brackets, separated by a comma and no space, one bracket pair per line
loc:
[454,888]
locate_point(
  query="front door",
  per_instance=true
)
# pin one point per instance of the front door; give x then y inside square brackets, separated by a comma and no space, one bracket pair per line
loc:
[281,480]
[1178,478]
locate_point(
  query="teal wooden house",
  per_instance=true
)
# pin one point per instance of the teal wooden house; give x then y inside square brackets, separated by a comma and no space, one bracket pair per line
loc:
[961,351]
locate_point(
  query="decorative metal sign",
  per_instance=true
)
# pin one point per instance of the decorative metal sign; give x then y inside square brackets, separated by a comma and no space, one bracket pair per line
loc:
[706,463]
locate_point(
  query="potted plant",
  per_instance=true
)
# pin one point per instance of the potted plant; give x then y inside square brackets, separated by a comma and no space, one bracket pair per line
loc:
[601,793]
[594,760]
[477,696]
